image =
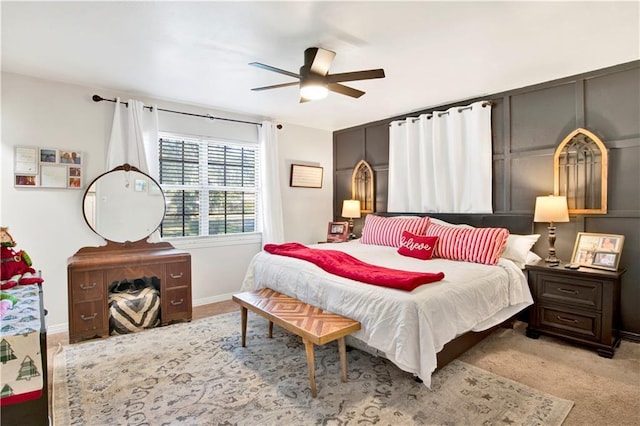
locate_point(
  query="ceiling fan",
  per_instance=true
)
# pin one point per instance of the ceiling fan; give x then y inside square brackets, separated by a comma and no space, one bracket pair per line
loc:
[314,78]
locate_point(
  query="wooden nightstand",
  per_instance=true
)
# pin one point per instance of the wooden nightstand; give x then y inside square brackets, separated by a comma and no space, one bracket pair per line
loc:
[577,305]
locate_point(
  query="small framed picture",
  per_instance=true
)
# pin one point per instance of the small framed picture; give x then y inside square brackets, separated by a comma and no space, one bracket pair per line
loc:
[48,155]
[70,157]
[600,251]
[53,176]
[25,180]
[337,232]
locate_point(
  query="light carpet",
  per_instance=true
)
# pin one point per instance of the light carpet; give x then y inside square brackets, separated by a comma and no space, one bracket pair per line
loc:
[198,374]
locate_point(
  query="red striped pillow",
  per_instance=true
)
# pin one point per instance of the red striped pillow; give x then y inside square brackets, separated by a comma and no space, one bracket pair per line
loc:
[387,231]
[479,245]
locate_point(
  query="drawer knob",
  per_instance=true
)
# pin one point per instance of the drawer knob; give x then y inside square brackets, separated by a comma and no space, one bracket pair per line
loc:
[571,320]
[88,318]
[176,276]
[88,286]
[569,291]
[179,302]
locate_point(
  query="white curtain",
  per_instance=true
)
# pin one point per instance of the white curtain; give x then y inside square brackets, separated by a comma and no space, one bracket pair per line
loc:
[272,223]
[135,140]
[441,162]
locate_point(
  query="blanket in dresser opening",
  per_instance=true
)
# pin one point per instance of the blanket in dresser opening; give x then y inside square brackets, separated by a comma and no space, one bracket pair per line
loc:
[347,266]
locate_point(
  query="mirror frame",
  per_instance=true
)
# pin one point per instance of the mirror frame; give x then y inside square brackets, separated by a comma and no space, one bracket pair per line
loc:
[126,168]
[603,170]
[362,186]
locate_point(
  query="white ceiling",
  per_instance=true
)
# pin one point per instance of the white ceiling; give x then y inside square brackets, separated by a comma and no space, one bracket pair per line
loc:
[432,52]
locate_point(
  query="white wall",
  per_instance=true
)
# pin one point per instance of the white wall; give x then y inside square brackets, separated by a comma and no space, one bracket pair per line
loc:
[49,224]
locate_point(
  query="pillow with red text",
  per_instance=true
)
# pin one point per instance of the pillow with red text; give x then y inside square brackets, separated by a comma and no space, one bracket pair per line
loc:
[417,246]
[478,245]
[386,231]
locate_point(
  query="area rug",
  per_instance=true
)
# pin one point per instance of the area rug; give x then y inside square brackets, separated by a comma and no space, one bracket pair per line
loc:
[198,374]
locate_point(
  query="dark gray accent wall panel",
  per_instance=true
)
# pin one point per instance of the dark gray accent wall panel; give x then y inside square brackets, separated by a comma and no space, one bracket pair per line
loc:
[349,149]
[382,187]
[377,145]
[624,179]
[527,125]
[532,176]
[499,194]
[497,129]
[612,109]
[542,118]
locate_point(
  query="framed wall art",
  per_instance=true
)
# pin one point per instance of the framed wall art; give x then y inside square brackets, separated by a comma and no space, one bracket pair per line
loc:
[37,167]
[601,251]
[306,176]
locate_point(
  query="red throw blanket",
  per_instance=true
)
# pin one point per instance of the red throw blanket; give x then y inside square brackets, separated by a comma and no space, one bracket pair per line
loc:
[347,266]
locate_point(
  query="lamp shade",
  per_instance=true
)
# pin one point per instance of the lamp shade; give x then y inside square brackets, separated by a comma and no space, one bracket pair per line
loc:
[551,208]
[351,208]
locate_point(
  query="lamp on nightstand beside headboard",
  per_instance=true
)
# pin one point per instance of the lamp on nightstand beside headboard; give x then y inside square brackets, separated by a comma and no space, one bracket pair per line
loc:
[551,209]
[351,210]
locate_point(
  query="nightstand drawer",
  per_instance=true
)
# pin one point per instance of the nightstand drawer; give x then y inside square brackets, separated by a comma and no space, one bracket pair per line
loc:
[584,324]
[576,292]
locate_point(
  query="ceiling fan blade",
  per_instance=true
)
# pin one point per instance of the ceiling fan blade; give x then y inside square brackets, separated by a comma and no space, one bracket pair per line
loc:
[345,90]
[355,75]
[319,60]
[275,86]
[274,69]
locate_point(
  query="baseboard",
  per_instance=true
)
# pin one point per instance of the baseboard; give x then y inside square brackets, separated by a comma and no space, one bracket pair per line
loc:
[64,327]
[212,299]
[630,336]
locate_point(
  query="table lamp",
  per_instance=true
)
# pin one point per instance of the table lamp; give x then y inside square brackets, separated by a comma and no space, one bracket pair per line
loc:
[551,208]
[351,210]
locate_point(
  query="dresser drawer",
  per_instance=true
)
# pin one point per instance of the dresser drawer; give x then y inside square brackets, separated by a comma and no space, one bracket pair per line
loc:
[176,304]
[177,274]
[87,285]
[575,292]
[581,324]
[89,318]
[133,272]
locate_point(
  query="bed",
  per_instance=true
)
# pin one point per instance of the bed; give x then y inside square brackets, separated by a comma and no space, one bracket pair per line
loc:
[417,330]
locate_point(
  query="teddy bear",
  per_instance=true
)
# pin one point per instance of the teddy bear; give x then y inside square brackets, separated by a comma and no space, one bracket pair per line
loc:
[16,265]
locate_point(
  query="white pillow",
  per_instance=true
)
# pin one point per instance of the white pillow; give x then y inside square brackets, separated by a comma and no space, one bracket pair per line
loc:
[532,257]
[443,223]
[518,248]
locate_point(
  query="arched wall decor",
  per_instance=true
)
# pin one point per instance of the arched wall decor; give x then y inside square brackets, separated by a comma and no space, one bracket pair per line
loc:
[362,186]
[580,172]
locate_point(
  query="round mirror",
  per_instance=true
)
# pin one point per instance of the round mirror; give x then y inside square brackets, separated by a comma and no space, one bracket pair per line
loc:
[123,205]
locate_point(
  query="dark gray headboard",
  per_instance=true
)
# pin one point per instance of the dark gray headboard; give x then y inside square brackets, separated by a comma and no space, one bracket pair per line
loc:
[515,223]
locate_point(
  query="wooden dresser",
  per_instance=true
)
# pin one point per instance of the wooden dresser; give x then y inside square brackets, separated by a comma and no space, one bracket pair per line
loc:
[577,305]
[92,269]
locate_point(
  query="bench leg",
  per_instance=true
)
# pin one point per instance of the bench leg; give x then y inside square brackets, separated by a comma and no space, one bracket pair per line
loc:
[312,366]
[270,329]
[343,358]
[243,314]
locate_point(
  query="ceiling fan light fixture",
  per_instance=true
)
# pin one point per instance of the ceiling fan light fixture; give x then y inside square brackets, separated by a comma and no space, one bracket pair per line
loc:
[313,91]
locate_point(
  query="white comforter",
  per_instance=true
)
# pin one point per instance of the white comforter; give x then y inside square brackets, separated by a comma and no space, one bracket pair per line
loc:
[408,327]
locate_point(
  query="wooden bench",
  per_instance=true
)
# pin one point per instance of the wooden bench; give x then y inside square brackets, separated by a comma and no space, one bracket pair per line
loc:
[314,325]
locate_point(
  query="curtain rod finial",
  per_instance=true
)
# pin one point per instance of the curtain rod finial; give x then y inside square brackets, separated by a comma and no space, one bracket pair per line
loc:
[96,98]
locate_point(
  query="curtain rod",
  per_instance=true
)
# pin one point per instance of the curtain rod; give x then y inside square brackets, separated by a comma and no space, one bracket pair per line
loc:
[98,98]
[440,114]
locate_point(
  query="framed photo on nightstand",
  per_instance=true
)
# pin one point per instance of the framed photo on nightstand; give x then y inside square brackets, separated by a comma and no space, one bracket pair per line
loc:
[337,232]
[601,251]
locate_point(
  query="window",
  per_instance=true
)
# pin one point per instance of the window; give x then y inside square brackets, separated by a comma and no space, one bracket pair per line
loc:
[211,186]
